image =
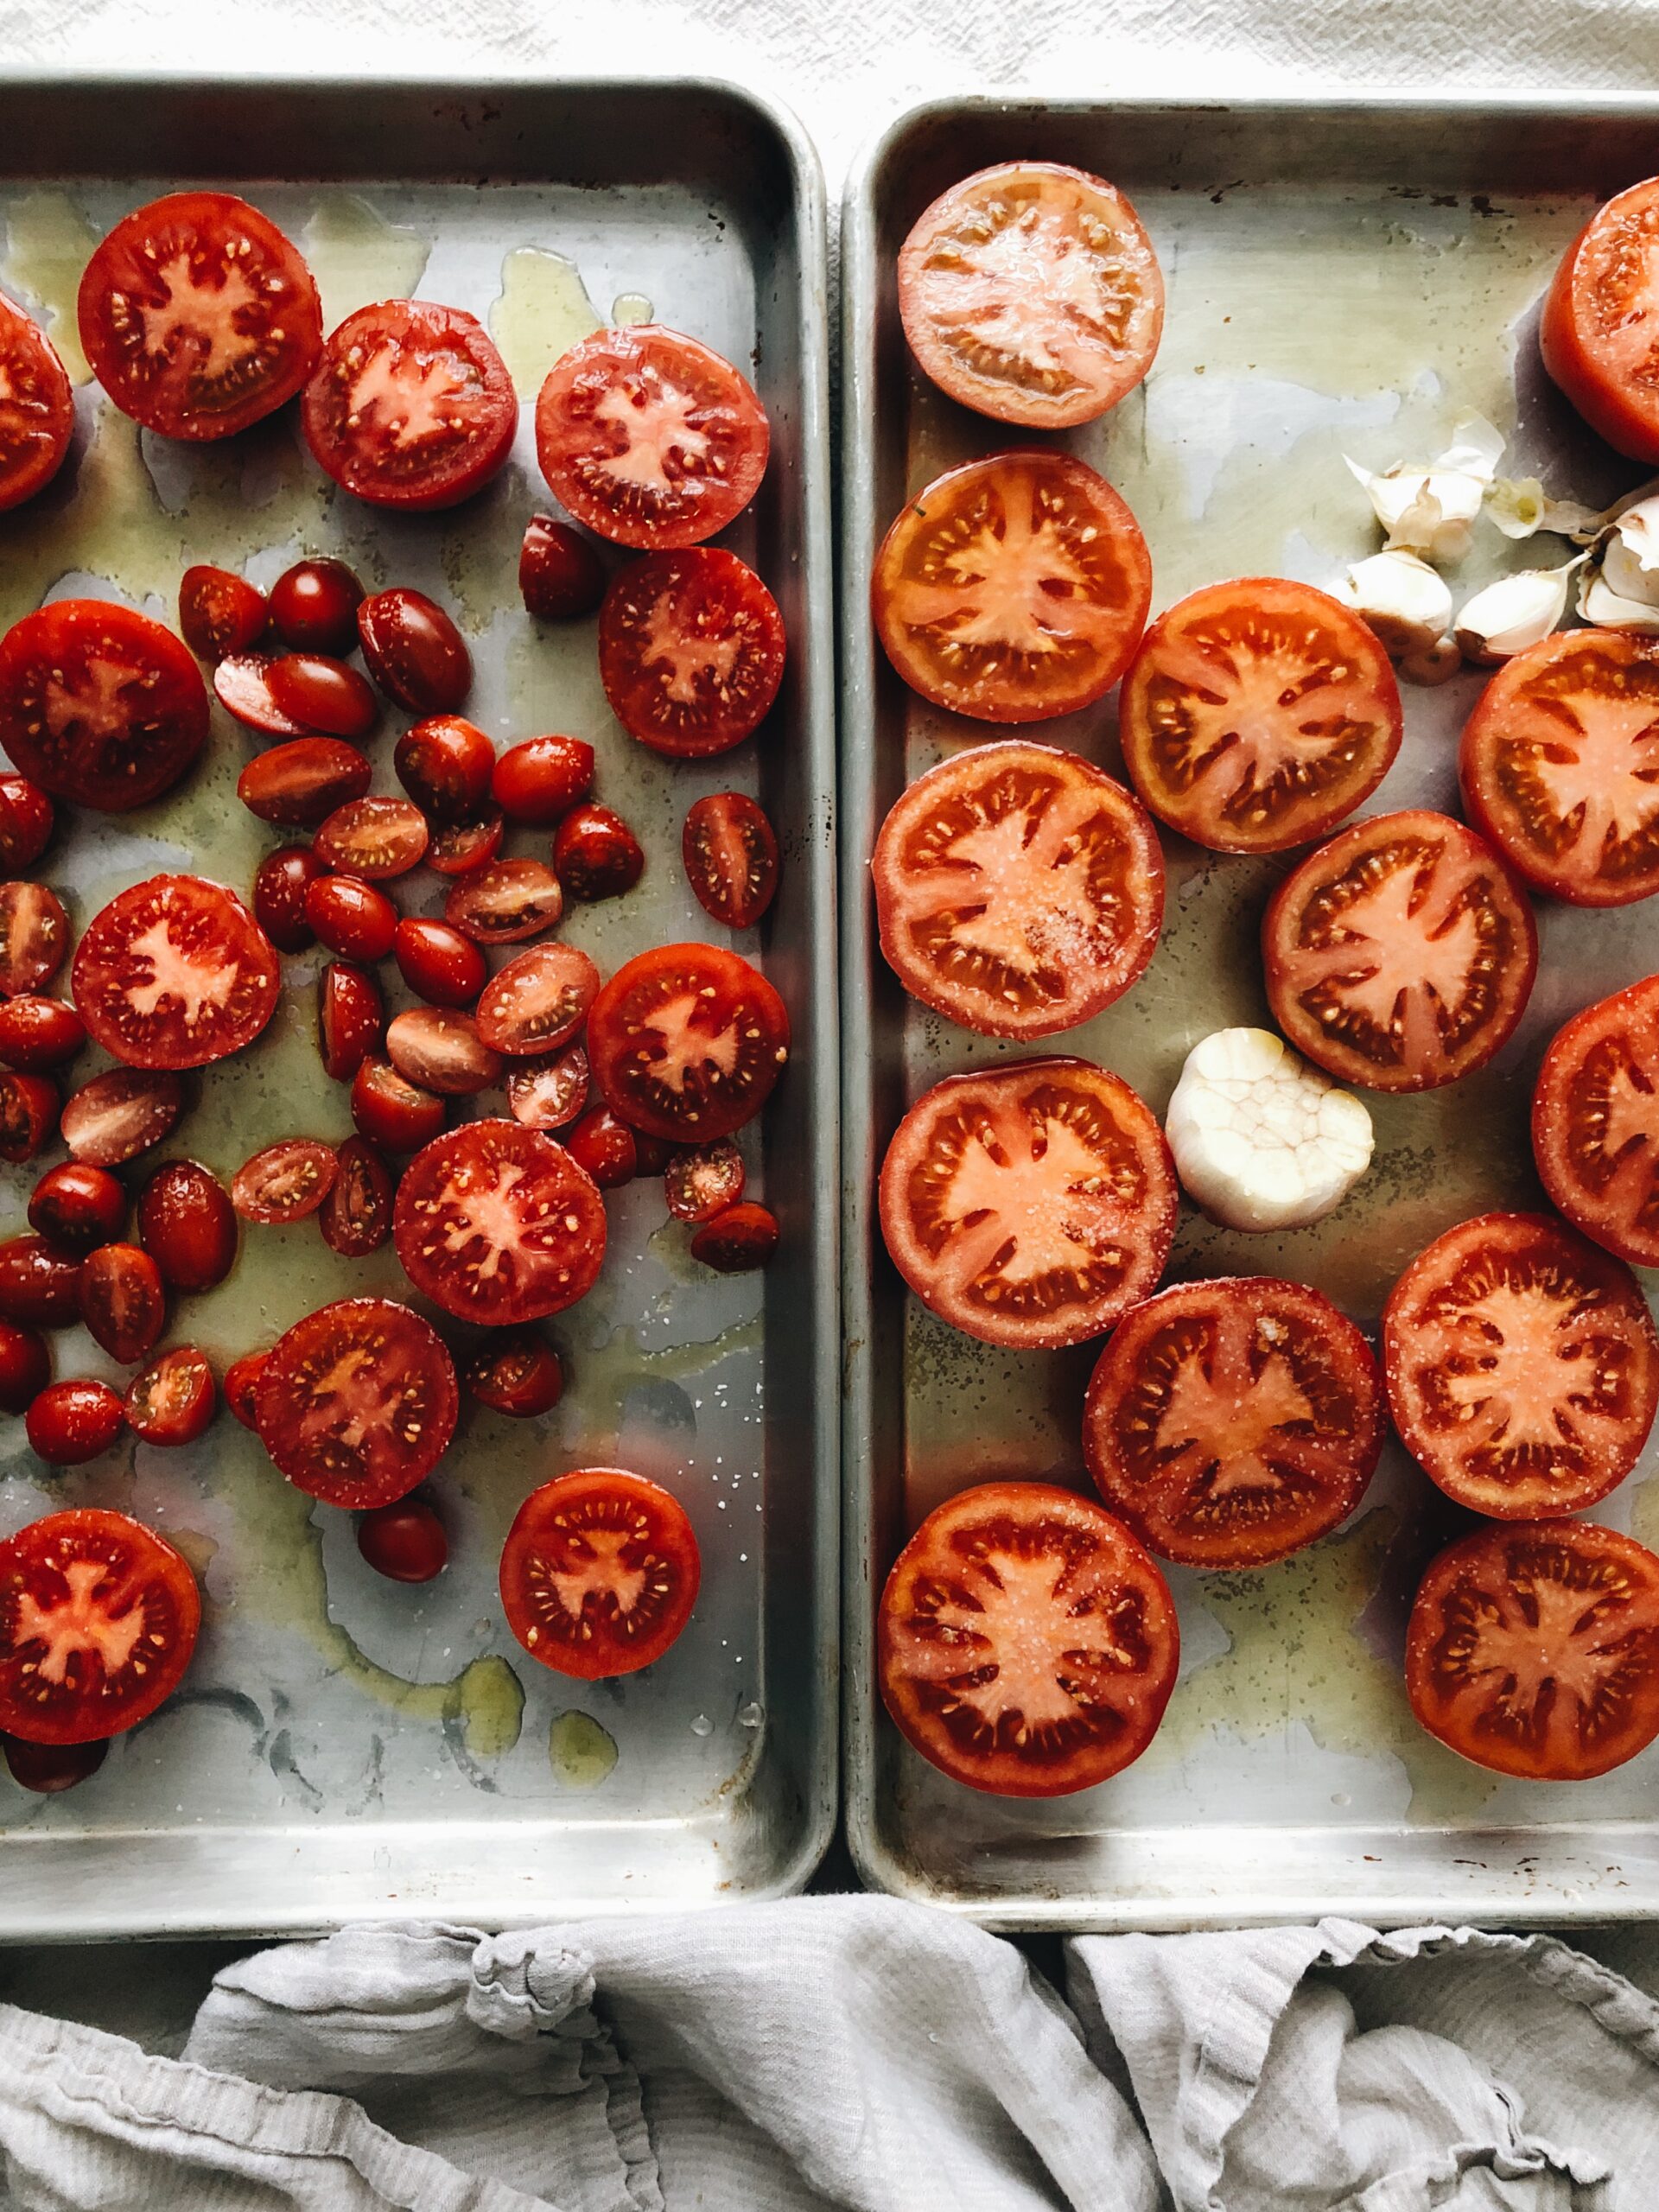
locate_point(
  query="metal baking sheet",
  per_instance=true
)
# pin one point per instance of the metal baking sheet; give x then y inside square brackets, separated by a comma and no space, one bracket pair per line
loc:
[1343,276]
[344,1748]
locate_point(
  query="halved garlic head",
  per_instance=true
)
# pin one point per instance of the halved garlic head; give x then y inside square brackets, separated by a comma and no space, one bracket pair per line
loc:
[1262,1141]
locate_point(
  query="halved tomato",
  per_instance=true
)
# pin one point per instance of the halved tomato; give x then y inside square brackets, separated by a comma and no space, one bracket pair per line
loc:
[1257,713]
[1027,1645]
[1595,1122]
[34,937]
[1523,1366]
[355,1217]
[285,1182]
[1012,589]
[730,850]
[1399,956]
[690,651]
[120,1114]
[539,1000]
[1031,292]
[99,1617]
[174,974]
[198,316]
[1597,333]
[99,704]
[548,1093]
[1559,765]
[356,1403]
[685,1042]
[497,1224]
[1232,1422]
[505,902]
[650,437]
[1019,890]
[37,407]
[599,1573]
[411,405]
[1031,1205]
[1534,1650]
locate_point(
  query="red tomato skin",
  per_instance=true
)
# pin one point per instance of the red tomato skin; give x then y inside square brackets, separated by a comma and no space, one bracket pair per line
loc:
[73,1421]
[516,1373]
[322,693]
[348,452]
[26,820]
[560,577]
[28,1115]
[390,1110]
[285,1182]
[350,917]
[25,1367]
[39,1034]
[314,607]
[242,687]
[730,850]
[174,1400]
[123,1301]
[118,769]
[187,1225]
[1617,407]
[539,781]
[355,1218]
[120,1114]
[299,784]
[1583,1163]
[279,890]
[743,1237]
[618,1017]
[462,848]
[404,1542]
[415,653]
[547,1257]
[31,456]
[208,926]
[373,838]
[704,592]
[221,613]
[445,764]
[351,1020]
[604,1146]
[78,1207]
[40,1283]
[595,855]
[439,1049]
[242,1387]
[619,1499]
[438,964]
[50,1768]
[382,1341]
[34,937]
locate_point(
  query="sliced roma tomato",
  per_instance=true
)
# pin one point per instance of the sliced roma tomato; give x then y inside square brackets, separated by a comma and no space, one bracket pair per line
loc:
[1030,292]
[123,1301]
[355,1217]
[517,1373]
[28,1114]
[730,849]
[40,1283]
[1534,1650]
[1596,332]
[198,316]
[242,687]
[98,1617]
[1560,765]
[690,651]
[356,1403]
[1014,588]
[738,1238]
[599,1573]
[539,999]
[702,1182]
[1030,1204]
[461,846]
[549,1093]
[506,902]
[372,838]
[439,1048]
[411,405]
[1257,715]
[242,1387]
[174,974]
[686,1042]
[37,407]
[120,1114]
[300,785]
[1399,956]
[350,917]
[541,780]
[560,577]
[497,1224]
[1027,1645]
[320,693]
[414,651]
[1017,889]
[37,1033]
[438,964]
[78,1207]
[445,764]
[99,704]
[1232,1422]
[595,855]
[221,613]
[1595,1122]
[26,821]
[351,1020]
[174,1400]
[285,1182]
[34,937]
[649,437]
[1523,1366]
[390,1110]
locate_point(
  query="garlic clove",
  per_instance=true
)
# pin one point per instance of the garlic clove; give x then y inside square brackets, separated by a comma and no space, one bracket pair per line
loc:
[1404,602]
[1599,604]
[1520,506]
[1514,612]
[1630,560]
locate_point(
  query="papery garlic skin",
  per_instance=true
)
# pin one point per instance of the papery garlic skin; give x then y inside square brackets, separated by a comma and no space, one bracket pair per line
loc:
[1606,609]
[1629,559]
[1519,506]
[1514,612]
[1431,510]
[1402,598]
[1262,1141]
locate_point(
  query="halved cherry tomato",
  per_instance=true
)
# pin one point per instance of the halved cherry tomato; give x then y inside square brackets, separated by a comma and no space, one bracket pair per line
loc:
[595,855]
[186,1224]
[374,838]
[69,1423]
[439,1048]
[739,1238]
[1523,1366]
[1257,715]
[1399,956]
[358,1402]
[40,1283]
[34,937]
[604,1147]
[198,316]
[28,1114]
[123,1301]
[99,704]
[730,852]
[686,1042]
[1229,1423]
[25,1367]
[285,1182]
[460,847]
[78,1207]
[37,1033]
[411,405]
[517,1373]
[1596,333]
[551,1093]
[690,651]
[120,1114]
[355,1217]
[506,902]
[497,1224]
[445,764]
[50,1769]
[1031,292]
[705,1180]
[37,407]
[242,687]
[404,1542]
[314,607]
[649,437]
[301,784]
[1533,1649]
[174,973]
[350,917]
[99,1617]
[242,1387]
[539,1000]
[173,1402]
[1014,588]
[221,613]
[599,1573]
[1030,1205]
[320,693]
[279,890]
[414,651]
[1017,889]
[541,780]
[26,819]
[351,1020]
[438,964]
[561,578]
[390,1110]
[1595,1122]
[1027,1645]
[1560,765]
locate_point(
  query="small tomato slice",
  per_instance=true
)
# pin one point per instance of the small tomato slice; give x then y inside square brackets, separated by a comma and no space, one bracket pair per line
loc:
[516,1373]
[551,1092]
[703,1181]
[34,937]
[26,822]
[685,1042]
[174,1400]
[99,704]
[599,1573]
[497,1224]
[304,783]
[739,1238]
[1027,1644]
[1596,333]
[439,1049]
[1595,1122]
[174,973]
[730,852]
[37,407]
[373,838]
[123,1301]
[221,613]
[690,651]
[120,1114]
[285,1182]
[506,902]
[355,1217]
[356,1403]
[537,1001]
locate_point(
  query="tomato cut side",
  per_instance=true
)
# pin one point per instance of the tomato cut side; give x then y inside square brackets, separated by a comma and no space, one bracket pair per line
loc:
[1017,889]
[497,1224]
[174,1400]
[686,1042]
[1027,1645]
[650,437]
[548,1093]
[690,651]
[99,704]
[411,405]
[1229,1423]
[174,974]
[198,316]
[599,1573]
[1595,1122]
[99,1617]
[1030,1204]
[356,1403]
[1532,1649]
[355,1217]
[506,902]
[285,1182]
[37,407]
[730,850]
[1399,956]
[120,1114]
[537,1001]
[34,937]
[1523,1366]
[1012,589]
[1598,333]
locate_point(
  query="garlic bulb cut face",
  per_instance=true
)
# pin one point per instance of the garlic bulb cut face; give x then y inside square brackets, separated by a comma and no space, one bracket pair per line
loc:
[1404,602]
[1262,1141]
[1606,609]
[1515,612]
[1430,509]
